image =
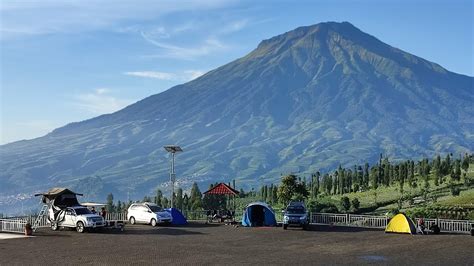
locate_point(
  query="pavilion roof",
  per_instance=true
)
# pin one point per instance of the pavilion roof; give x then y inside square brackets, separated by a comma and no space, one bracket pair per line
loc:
[222,189]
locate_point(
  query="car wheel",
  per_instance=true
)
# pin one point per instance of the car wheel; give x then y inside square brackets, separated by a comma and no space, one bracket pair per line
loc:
[132,220]
[153,222]
[285,226]
[80,227]
[54,226]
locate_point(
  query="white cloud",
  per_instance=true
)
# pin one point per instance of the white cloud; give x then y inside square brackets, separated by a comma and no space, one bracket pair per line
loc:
[22,18]
[183,76]
[209,45]
[100,102]
[152,74]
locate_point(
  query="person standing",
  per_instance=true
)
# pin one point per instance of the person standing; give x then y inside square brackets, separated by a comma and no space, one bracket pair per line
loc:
[103,213]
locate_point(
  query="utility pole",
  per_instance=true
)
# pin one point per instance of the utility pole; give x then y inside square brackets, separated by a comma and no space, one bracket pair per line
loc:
[173,149]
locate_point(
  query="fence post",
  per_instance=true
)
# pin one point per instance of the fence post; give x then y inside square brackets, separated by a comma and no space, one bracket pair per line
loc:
[347,218]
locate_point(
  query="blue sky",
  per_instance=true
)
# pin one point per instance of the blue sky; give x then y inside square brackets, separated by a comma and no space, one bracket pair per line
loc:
[67,61]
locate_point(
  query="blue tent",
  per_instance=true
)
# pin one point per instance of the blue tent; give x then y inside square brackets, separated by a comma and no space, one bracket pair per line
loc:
[258,214]
[178,217]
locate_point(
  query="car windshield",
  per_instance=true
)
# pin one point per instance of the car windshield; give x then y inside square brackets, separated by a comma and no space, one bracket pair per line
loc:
[81,211]
[295,210]
[155,208]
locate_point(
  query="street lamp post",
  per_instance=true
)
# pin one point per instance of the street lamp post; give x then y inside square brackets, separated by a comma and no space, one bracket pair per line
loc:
[173,149]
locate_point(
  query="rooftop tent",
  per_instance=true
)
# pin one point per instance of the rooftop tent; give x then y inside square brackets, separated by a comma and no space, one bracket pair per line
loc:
[400,223]
[60,197]
[178,217]
[58,200]
[258,214]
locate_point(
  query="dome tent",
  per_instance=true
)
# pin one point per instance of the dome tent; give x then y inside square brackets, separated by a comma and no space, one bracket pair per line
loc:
[178,217]
[258,214]
[400,223]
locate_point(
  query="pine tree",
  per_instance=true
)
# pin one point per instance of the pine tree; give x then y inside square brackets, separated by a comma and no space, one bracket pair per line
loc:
[119,207]
[165,202]
[275,194]
[179,199]
[195,199]
[158,197]
[110,203]
[373,177]
[270,194]
[186,202]
[360,177]
[465,163]
[315,188]
[366,176]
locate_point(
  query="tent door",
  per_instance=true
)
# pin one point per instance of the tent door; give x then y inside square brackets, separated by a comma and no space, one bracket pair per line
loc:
[258,216]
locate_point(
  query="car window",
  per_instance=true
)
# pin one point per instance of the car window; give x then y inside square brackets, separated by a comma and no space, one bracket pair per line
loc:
[295,209]
[133,207]
[142,208]
[155,208]
[81,211]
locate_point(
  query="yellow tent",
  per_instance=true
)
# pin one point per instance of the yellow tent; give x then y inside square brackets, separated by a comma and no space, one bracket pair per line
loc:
[401,224]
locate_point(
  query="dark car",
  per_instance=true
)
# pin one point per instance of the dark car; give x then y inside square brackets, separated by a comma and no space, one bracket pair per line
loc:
[295,214]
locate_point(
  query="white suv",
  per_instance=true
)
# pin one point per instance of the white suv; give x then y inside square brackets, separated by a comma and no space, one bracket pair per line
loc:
[148,213]
[78,217]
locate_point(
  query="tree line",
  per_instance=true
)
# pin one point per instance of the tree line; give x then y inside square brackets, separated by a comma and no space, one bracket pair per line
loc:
[359,178]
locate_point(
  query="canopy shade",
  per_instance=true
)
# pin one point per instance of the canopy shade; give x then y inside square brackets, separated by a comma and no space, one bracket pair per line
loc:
[222,189]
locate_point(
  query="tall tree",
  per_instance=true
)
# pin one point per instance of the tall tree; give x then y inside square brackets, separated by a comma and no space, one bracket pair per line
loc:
[465,163]
[291,188]
[110,203]
[386,172]
[158,197]
[196,197]
[275,194]
[186,202]
[366,176]
[179,199]
[374,177]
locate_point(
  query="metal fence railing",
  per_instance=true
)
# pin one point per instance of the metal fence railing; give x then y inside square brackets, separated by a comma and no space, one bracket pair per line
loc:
[17,224]
[449,225]
[367,221]
[454,226]
[12,225]
[116,216]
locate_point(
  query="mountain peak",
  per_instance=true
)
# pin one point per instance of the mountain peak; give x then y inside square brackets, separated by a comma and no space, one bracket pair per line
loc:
[323,27]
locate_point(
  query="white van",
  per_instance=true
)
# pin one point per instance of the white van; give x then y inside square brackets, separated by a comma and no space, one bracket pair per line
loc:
[148,213]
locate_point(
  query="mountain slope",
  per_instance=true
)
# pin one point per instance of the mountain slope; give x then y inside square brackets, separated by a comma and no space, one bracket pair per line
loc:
[311,98]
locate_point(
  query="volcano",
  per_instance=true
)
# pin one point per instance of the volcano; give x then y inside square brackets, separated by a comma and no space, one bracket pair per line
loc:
[311,98]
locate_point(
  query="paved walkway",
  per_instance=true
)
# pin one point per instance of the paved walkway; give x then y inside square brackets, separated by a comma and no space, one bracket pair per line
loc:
[11,236]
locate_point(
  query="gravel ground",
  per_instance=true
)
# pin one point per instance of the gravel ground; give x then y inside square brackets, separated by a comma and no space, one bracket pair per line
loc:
[217,244]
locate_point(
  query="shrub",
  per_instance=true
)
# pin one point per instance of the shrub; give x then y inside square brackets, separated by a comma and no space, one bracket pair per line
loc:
[345,203]
[328,207]
[355,204]
[455,191]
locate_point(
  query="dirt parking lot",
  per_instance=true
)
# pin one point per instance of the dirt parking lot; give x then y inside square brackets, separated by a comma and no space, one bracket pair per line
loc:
[217,244]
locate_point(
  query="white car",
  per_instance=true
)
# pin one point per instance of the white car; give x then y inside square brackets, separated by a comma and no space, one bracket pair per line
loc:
[78,217]
[148,213]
